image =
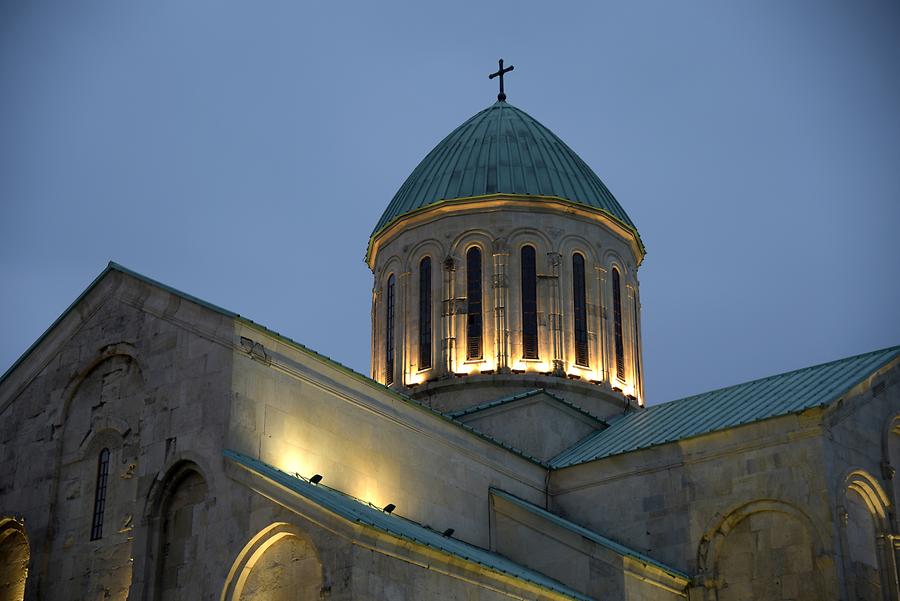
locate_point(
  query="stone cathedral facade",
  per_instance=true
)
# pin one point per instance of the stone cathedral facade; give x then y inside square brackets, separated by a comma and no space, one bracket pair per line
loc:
[154,446]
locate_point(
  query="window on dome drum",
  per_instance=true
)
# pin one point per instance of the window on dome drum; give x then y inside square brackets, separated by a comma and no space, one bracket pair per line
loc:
[474,324]
[529,304]
[617,325]
[389,333]
[100,495]
[580,313]
[425,313]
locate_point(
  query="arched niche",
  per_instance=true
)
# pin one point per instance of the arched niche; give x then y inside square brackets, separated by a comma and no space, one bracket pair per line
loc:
[179,526]
[863,524]
[15,554]
[280,563]
[765,550]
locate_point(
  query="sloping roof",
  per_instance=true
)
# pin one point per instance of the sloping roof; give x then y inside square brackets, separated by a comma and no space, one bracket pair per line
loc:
[357,511]
[113,266]
[501,150]
[783,394]
[505,400]
[590,534]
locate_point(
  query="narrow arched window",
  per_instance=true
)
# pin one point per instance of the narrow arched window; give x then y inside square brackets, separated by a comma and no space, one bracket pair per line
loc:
[580,310]
[529,304]
[389,333]
[425,313]
[617,325]
[100,494]
[474,323]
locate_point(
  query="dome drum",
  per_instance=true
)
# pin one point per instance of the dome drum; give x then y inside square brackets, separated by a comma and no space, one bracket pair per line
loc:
[499,238]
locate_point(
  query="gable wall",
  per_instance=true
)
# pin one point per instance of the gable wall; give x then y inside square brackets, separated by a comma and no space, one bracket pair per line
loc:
[139,371]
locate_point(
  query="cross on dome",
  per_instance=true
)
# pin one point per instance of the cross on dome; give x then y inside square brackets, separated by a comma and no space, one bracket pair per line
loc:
[501,96]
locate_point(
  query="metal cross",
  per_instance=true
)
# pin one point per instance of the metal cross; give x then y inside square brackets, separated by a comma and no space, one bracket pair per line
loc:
[501,96]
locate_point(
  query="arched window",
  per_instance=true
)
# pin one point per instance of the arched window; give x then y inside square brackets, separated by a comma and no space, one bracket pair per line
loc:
[474,324]
[529,304]
[580,314]
[389,333]
[617,325]
[100,494]
[425,313]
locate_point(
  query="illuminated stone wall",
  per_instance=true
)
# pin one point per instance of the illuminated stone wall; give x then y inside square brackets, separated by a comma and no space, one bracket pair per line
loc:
[796,507]
[308,417]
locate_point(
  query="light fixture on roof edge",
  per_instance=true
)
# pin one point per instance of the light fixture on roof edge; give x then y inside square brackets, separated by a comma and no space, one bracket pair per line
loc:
[389,508]
[315,479]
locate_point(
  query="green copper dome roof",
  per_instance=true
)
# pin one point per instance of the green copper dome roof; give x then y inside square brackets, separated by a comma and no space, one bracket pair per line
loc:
[501,150]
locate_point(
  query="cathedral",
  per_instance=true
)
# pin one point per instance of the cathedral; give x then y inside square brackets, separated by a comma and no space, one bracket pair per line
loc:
[155,446]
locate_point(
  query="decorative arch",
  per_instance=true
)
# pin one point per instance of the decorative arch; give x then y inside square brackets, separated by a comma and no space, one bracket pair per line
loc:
[713,543]
[479,236]
[430,247]
[519,237]
[307,569]
[864,521]
[110,351]
[15,554]
[573,243]
[876,499]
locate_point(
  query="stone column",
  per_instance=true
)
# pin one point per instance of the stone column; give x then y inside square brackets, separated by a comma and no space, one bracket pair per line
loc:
[448,318]
[557,366]
[403,319]
[501,299]
[373,350]
[602,330]
[638,354]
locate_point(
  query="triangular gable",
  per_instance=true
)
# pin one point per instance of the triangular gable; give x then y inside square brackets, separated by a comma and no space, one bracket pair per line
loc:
[77,312]
[537,422]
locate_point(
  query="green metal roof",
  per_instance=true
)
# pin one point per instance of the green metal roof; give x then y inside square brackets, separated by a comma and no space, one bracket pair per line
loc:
[590,534]
[354,510]
[783,394]
[505,400]
[501,150]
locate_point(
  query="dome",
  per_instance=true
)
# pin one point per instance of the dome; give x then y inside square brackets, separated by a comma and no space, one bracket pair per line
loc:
[501,150]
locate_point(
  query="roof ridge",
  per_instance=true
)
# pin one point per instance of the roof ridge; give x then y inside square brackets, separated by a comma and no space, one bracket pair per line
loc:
[784,373]
[730,407]
[590,534]
[524,395]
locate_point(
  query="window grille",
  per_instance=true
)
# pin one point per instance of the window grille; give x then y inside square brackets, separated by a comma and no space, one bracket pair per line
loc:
[617,325]
[580,313]
[529,304]
[100,495]
[425,313]
[474,323]
[389,334]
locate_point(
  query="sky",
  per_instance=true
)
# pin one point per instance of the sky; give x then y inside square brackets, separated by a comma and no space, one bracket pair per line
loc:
[243,151]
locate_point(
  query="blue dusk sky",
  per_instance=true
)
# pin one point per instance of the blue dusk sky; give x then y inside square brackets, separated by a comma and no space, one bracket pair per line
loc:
[243,151]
